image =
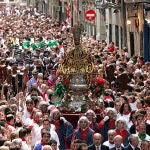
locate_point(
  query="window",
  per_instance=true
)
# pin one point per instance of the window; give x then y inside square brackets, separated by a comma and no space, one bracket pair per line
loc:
[117,35]
[110,33]
[132,43]
[121,33]
[111,1]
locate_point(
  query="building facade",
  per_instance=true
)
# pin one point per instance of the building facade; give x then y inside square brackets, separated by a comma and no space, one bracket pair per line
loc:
[12,3]
[107,25]
[4,3]
[124,22]
[138,27]
[114,24]
[54,8]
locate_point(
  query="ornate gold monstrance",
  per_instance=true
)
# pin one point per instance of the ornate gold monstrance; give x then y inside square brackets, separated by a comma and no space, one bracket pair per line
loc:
[77,67]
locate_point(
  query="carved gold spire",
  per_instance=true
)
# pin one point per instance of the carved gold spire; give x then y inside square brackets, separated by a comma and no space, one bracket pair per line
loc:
[78,61]
[76,30]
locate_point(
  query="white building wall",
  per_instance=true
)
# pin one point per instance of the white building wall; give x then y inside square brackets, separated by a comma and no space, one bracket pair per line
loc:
[8,2]
[132,15]
[131,28]
[90,26]
[113,19]
[108,21]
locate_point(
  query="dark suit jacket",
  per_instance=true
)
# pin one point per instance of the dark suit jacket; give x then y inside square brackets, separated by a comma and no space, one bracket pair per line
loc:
[129,148]
[132,129]
[92,147]
[114,148]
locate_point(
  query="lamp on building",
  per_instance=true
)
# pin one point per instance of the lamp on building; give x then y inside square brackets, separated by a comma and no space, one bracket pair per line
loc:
[136,20]
[128,22]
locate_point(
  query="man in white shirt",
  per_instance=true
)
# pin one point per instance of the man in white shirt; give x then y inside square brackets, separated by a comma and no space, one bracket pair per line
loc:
[22,136]
[142,133]
[118,143]
[28,109]
[110,142]
[51,128]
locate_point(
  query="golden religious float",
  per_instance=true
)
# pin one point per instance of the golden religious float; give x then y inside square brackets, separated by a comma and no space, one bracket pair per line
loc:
[77,69]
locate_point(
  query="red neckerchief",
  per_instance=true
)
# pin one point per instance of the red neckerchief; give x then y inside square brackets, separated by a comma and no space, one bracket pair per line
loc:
[107,97]
[133,101]
[35,121]
[23,139]
[8,124]
[30,111]
[31,127]
[44,96]
[42,143]
[122,133]
[100,125]
[27,77]
[84,131]
[141,62]
[83,134]
[126,113]
[60,46]
[91,125]
[111,124]
[56,123]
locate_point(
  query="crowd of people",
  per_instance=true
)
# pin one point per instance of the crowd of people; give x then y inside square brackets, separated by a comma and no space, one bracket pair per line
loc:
[31,116]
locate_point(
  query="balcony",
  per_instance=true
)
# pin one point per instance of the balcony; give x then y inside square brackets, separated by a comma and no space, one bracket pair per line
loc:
[23,3]
[136,1]
[105,4]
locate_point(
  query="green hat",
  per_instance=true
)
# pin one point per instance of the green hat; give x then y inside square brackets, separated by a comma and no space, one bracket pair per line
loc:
[25,44]
[41,44]
[53,43]
[34,46]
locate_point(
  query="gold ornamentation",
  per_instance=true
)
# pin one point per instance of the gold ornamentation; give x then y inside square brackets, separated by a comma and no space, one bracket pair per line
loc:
[78,61]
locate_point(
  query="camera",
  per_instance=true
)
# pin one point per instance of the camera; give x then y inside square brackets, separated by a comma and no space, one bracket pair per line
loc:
[46,53]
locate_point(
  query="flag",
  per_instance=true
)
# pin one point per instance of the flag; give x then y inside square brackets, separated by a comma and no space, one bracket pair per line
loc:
[76,5]
[69,13]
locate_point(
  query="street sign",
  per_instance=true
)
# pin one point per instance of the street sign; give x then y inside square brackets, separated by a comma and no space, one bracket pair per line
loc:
[90,15]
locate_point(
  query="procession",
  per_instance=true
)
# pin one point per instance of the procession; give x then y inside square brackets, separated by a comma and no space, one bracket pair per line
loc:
[61,89]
